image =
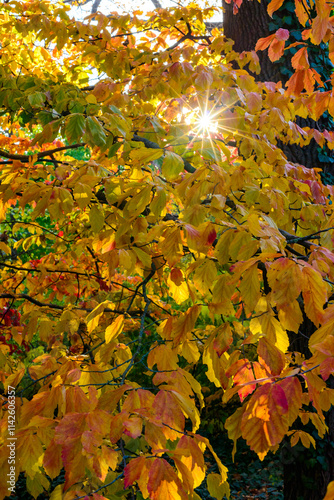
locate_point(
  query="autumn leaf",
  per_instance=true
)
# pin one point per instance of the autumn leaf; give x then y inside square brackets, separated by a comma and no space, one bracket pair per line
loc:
[75,127]
[133,471]
[163,482]
[94,131]
[314,294]
[151,269]
[93,318]
[144,155]
[172,165]
[273,6]
[300,60]
[264,421]
[114,329]
[273,357]
[216,487]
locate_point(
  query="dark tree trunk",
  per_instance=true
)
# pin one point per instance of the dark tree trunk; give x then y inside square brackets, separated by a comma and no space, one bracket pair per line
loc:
[306,472]
[250,23]
[245,28]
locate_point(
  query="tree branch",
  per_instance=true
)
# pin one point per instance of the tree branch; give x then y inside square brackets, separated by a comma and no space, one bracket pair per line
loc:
[41,154]
[24,296]
[153,145]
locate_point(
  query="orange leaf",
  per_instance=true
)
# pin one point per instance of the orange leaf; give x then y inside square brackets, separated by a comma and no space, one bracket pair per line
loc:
[133,470]
[314,294]
[275,42]
[133,427]
[176,275]
[163,482]
[300,59]
[320,25]
[167,411]
[273,357]
[263,43]
[327,368]
[301,13]
[52,461]
[330,491]
[193,458]
[223,339]
[273,6]
[264,421]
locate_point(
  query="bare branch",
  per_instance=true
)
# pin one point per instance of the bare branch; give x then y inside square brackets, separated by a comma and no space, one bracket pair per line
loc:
[157,4]
[95,6]
[25,158]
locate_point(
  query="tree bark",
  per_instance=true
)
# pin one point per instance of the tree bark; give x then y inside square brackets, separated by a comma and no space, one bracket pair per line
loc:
[306,472]
[245,27]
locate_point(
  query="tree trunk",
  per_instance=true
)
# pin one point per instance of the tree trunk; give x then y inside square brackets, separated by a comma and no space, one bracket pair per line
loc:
[307,472]
[245,28]
[250,23]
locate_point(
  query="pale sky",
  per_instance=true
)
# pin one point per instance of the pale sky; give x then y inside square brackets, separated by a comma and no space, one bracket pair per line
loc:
[107,6]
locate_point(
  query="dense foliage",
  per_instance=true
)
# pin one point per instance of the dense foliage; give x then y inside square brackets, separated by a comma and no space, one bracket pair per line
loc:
[158,251]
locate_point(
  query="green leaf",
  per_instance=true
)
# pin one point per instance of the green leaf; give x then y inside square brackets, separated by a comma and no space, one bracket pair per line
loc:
[96,219]
[172,165]
[95,133]
[113,149]
[115,109]
[36,99]
[75,127]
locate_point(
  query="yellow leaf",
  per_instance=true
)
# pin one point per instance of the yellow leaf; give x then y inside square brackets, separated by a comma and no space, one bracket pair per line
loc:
[30,453]
[14,379]
[145,155]
[250,287]
[189,408]
[96,219]
[273,357]
[163,482]
[205,274]
[290,316]
[82,194]
[330,491]
[193,458]
[216,487]
[93,317]
[180,292]
[143,257]
[314,294]
[57,493]
[305,438]
[233,426]
[264,421]
[91,99]
[114,330]
[172,165]
[326,329]
[5,248]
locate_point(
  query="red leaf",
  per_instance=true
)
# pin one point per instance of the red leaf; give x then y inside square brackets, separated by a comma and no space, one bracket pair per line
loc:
[133,471]
[282,34]
[176,275]
[211,237]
